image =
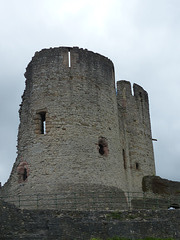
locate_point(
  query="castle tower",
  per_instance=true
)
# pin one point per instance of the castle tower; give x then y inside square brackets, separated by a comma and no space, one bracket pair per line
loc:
[135,134]
[76,133]
[68,135]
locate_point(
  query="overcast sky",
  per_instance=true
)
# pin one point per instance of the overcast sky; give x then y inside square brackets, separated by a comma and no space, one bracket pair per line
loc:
[141,37]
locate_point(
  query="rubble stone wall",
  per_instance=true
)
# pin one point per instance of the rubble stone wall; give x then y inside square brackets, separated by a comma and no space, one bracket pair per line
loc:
[18,224]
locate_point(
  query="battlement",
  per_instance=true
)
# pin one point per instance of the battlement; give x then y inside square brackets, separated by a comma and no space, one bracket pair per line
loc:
[71,56]
[71,62]
[52,52]
[124,89]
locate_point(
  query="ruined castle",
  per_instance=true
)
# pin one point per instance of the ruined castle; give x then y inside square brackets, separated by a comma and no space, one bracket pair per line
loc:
[77,130]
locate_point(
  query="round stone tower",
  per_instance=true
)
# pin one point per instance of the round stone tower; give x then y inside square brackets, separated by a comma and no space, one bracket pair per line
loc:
[68,135]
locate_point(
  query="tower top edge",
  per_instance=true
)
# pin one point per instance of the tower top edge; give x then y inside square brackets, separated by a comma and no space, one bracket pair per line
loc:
[131,89]
[55,51]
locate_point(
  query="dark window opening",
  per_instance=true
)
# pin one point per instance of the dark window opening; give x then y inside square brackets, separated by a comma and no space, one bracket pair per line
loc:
[174,206]
[101,149]
[137,166]
[103,146]
[25,174]
[43,122]
[124,158]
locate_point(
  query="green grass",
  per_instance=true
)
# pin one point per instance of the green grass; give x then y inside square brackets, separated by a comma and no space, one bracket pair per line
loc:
[119,216]
[114,215]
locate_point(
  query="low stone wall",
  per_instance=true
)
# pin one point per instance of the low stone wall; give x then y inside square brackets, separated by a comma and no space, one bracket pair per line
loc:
[18,224]
[70,197]
[160,186]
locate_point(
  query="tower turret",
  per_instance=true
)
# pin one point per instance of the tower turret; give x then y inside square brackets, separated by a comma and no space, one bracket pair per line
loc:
[68,134]
[135,133]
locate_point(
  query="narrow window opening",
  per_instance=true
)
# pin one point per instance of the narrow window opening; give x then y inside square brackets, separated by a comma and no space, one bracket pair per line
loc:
[103,146]
[25,174]
[43,122]
[101,149]
[124,158]
[137,166]
[69,58]
[44,126]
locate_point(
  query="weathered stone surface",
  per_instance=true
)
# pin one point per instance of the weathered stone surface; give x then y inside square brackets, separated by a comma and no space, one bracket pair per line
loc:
[18,224]
[135,132]
[158,185]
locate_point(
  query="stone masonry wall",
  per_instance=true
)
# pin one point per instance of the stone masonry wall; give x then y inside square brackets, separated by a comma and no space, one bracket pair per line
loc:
[72,92]
[135,133]
[18,224]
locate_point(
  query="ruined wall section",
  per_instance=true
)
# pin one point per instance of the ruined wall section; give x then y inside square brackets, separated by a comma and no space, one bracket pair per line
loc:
[135,132]
[71,90]
[70,225]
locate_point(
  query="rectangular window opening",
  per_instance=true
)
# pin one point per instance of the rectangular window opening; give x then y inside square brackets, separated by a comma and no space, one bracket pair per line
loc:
[124,158]
[69,58]
[43,122]
[137,166]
